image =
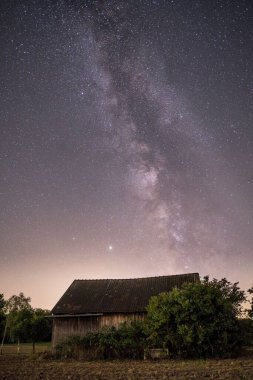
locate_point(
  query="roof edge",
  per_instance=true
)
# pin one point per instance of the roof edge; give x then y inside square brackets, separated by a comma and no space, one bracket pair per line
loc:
[137,278]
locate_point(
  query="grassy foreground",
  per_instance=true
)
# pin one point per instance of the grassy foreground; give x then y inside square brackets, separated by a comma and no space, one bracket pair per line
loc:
[19,367]
[26,348]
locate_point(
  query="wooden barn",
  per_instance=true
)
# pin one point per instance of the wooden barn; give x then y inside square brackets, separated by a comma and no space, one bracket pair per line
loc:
[88,305]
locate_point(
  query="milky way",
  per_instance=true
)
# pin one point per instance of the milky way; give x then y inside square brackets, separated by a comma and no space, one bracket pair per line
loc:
[126,141]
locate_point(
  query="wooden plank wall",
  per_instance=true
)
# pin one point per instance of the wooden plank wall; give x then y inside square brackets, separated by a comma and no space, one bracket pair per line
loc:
[73,326]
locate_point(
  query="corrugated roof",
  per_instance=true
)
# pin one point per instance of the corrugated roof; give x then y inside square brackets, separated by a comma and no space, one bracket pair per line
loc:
[116,296]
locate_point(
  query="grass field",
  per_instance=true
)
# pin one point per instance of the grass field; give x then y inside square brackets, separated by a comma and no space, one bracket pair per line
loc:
[25,348]
[23,367]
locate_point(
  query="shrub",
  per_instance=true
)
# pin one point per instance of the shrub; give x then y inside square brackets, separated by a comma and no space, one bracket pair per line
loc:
[195,321]
[128,341]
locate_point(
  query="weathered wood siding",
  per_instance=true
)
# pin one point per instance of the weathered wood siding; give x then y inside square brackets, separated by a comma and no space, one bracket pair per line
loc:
[70,326]
[117,319]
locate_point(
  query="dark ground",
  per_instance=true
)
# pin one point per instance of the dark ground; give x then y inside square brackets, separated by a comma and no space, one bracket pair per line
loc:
[14,367]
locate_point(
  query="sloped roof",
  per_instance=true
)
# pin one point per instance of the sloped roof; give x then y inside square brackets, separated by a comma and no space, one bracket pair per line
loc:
[116,296]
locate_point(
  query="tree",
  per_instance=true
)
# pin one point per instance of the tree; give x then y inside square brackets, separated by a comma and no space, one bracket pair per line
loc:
[22,322]
[18,324]
[230,291]
[2,319]
[2,302]
[18,303]
[19,314]
[40,326]
[195,321]
[250,311]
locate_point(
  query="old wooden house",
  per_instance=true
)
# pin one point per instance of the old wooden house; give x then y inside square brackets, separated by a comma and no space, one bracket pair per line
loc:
[88,305]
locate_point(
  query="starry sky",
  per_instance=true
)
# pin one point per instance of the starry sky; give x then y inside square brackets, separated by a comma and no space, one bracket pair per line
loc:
[126,141]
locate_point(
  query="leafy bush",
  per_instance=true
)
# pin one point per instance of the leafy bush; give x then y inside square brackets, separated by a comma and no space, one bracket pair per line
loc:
[195,321]
[75,347]
[128,341]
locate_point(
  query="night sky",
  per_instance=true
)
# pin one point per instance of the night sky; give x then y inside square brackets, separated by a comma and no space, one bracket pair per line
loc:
[126,141]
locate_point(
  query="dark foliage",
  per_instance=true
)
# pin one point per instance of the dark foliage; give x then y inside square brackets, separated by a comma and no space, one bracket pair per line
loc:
[250,311]
[198,320]
[246,329]
[128,341]
[2,316]
[230,291]
[23,323]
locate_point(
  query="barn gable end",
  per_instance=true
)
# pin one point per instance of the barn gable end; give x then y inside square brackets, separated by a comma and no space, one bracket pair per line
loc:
[89,305]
